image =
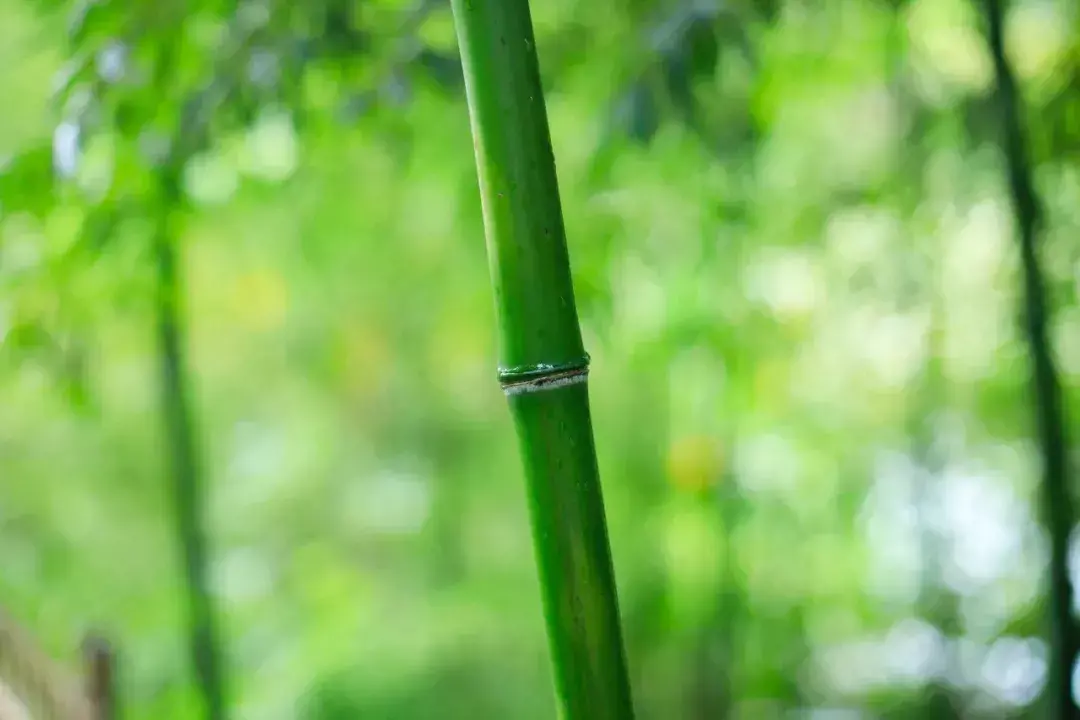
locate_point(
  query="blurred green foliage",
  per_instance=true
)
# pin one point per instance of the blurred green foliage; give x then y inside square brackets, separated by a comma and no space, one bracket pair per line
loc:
[793,255]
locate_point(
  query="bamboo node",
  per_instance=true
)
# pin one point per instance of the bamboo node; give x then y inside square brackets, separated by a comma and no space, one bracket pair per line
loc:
[543,383]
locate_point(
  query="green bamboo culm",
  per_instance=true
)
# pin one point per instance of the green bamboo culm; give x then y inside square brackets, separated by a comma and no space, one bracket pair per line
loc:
[543,366]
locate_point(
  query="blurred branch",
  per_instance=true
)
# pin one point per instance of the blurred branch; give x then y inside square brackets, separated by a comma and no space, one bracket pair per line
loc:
[682,49]
[1050,415]
[100,663]
[41,685]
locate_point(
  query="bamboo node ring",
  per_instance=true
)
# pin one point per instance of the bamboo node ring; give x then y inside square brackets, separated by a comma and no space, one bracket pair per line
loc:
[541,377]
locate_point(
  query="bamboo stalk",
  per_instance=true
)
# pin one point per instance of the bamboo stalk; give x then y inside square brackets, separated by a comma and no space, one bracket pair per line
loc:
[1057,500]
[184,461]
[179,421]
[543,366]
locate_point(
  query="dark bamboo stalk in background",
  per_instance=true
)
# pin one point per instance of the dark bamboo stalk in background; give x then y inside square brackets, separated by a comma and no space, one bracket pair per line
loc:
[100,668]
[183,455]
[543,366]
[1049,411]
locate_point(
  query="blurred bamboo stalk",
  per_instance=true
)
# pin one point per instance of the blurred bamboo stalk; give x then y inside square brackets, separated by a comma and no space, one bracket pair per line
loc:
[99,660]
[1057,501]
[543,366]
[184,460]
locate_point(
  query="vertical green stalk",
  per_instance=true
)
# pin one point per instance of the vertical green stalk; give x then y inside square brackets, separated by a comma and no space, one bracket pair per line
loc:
[543,366]
[184,465]
[1057,499]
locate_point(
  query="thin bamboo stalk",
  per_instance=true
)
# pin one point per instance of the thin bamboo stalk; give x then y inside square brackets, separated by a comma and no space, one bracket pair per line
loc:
[184,460]
[543,367]
[1059,511]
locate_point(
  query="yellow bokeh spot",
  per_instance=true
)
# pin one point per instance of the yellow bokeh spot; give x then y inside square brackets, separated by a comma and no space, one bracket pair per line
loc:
[693,549]
[772,385]
[365,358]
[694,463]
[260,299]
[456,347]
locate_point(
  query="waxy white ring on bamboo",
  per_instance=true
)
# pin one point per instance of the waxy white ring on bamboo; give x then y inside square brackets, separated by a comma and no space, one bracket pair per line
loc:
[547,382]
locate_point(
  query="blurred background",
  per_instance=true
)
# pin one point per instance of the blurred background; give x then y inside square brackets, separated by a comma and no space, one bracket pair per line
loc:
[796,267]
